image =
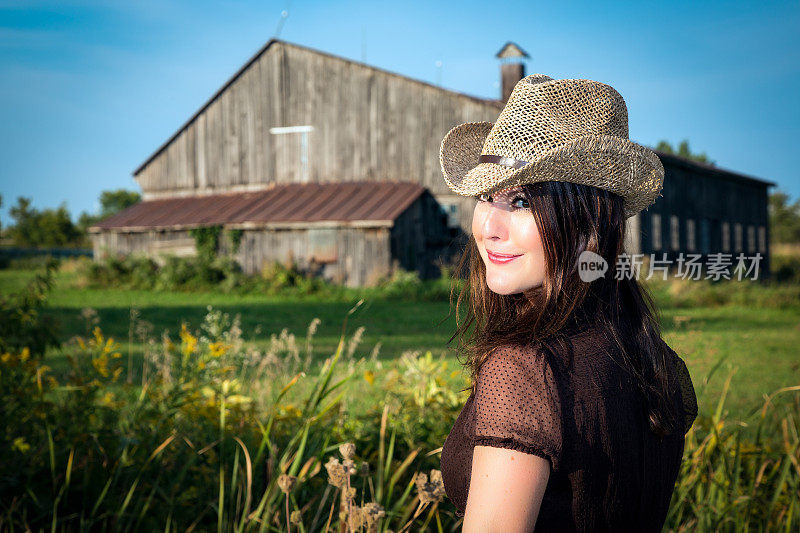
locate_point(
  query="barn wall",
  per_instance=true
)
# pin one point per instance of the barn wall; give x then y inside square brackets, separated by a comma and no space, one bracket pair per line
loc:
[420,236]
[351,256]
[705,203]
[179,243]
[368,124]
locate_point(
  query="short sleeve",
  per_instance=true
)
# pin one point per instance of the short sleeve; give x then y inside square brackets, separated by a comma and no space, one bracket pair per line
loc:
[517,405]
[687,392]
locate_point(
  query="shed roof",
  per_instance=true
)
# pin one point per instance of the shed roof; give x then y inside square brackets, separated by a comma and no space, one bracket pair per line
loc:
[695,166]
[353,203]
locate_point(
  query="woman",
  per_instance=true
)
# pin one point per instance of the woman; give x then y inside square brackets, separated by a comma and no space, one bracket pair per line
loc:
[578,409]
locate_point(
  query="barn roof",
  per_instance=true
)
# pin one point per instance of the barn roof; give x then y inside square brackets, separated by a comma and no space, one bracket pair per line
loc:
[695,166]
[354,203]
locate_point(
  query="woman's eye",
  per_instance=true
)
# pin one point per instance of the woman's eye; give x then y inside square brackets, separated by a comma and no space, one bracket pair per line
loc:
[488,198]
[525,205]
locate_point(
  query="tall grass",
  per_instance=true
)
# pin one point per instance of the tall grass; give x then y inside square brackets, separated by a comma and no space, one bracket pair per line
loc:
[217,435]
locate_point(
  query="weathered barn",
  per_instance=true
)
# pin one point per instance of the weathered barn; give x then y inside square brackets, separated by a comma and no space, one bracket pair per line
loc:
[256,154]
[292,115]
[704,210]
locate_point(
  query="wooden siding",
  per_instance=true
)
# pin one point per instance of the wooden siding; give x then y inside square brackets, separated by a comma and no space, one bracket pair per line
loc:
[702,201]
[420,237]
[361,256]
[368,124]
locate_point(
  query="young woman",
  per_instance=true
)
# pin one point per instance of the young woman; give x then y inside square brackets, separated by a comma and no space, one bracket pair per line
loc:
[578,409]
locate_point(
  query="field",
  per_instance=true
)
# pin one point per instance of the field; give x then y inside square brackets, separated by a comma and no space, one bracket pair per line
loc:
[164,410]
[758,344]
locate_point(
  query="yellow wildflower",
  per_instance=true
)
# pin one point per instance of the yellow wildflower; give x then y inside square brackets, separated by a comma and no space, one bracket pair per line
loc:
[218,348]
[21,445]
[6,357]
[81,343]
[25,355]
[101,365]
[369,376]
[189,340]
[107,399]
[109,345]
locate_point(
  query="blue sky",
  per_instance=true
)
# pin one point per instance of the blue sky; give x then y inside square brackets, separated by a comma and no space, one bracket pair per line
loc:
[89,90]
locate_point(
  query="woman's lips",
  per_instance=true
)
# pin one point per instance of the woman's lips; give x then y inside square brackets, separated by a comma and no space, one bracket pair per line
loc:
[500,259]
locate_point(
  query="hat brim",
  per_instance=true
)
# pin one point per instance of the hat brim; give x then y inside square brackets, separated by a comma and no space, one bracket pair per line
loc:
[605,161]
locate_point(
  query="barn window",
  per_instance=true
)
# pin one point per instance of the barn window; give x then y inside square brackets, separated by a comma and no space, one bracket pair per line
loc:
[737,237]
[452,214]
[656,231]
[179,246]
[762,239]
[726,237]
[674,232]
[705,236]
[751,238]
[690,244]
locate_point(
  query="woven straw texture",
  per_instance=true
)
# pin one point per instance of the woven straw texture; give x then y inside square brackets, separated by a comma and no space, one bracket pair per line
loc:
[567,130]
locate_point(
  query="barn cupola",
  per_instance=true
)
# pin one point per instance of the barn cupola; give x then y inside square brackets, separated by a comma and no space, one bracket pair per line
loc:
[512,68]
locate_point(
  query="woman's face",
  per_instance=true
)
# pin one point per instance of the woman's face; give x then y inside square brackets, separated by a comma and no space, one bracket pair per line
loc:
[503,224]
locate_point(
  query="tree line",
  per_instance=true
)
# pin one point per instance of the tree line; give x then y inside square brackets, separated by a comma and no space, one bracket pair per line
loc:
[54,227]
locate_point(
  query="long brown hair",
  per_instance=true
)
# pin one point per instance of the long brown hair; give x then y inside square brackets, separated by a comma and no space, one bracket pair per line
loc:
[571,218]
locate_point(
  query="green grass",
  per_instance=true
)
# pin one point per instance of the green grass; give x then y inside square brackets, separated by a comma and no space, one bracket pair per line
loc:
[761,342]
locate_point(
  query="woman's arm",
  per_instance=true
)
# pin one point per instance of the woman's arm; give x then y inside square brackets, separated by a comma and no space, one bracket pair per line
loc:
[506,490]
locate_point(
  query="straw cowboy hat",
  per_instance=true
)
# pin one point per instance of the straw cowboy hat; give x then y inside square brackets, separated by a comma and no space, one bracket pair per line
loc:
[554,130]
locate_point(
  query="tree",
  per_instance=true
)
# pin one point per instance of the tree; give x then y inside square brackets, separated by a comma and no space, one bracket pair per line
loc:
[683,151]
[50,227]
[111,203]
[784,219]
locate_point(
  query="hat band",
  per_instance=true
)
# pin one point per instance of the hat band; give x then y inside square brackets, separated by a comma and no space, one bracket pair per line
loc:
[501,160]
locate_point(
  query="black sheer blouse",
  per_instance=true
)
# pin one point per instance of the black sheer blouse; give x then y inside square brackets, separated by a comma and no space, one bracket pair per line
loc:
[584,414]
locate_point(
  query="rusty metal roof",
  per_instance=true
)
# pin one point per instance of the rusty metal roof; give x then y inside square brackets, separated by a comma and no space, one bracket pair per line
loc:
[366,203]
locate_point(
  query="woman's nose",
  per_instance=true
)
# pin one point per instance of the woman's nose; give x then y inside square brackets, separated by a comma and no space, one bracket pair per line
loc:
[495,223]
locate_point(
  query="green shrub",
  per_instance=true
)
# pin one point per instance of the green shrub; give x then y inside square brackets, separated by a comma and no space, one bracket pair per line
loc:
[178,272]
[786,268]
[140,271]
[22,323]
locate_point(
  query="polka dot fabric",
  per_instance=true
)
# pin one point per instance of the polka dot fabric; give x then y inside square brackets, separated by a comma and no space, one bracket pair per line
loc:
[582,411]
[517,405]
